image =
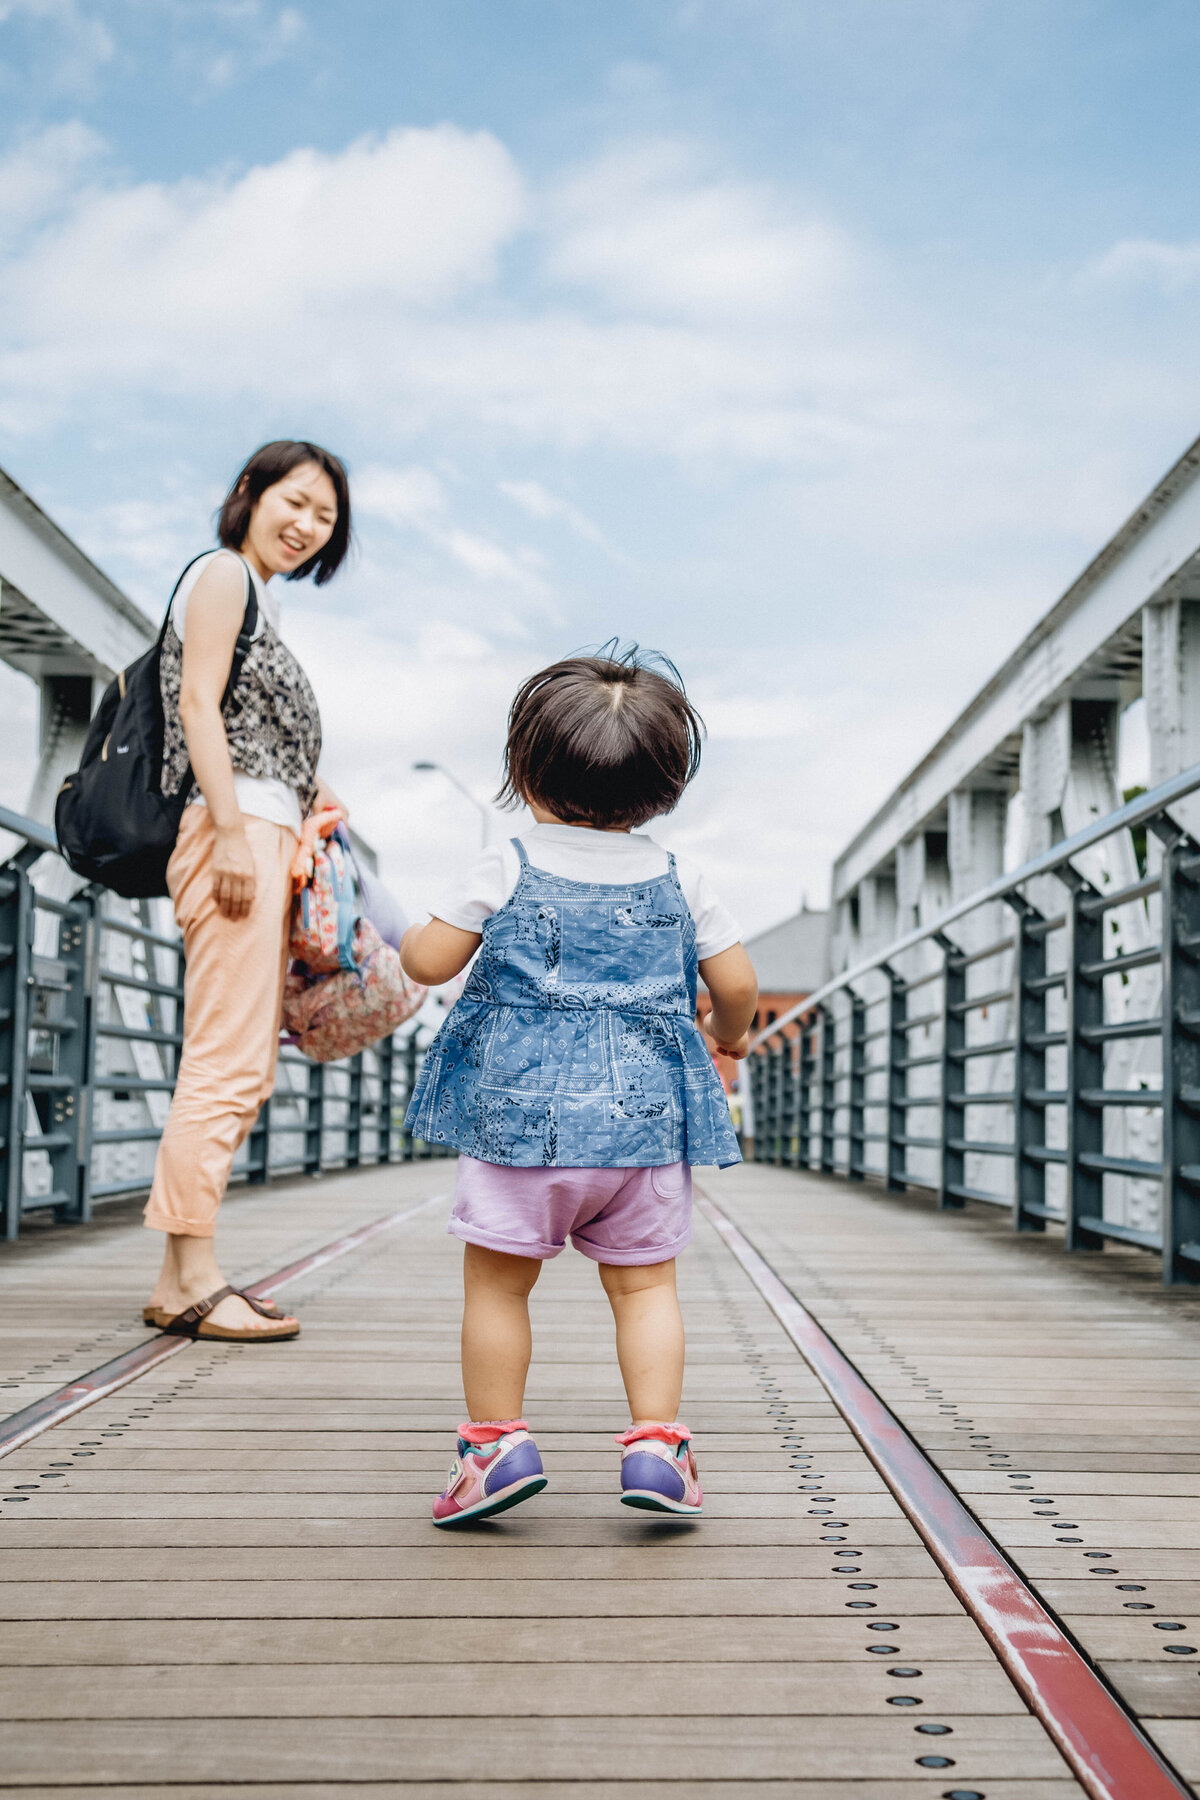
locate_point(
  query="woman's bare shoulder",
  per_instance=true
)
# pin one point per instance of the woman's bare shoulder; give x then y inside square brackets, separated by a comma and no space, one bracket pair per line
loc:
[221,581]
[211,614]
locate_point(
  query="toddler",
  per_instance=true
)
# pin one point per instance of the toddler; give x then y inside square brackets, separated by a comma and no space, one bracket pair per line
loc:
[571,1075]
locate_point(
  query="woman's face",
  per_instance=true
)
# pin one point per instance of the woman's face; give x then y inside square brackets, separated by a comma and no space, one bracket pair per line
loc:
[292,520]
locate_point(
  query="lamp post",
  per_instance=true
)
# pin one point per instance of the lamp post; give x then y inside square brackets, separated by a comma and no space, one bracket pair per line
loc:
[426,767]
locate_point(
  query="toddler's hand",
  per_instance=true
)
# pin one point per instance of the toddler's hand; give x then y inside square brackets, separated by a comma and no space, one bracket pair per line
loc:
[736,1047]
[326,800]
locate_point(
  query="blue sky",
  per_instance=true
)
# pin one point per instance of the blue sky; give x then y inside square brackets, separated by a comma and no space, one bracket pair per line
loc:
[816,346]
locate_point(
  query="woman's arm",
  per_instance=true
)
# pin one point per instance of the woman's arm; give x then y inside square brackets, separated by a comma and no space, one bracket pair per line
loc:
[733,989]
[437,952]
[215,610]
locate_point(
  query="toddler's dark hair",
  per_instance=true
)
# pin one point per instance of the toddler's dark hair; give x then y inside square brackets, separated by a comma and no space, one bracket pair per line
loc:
[602,740]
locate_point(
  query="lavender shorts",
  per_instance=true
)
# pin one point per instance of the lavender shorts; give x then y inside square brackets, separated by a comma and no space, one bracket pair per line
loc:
[613,1215]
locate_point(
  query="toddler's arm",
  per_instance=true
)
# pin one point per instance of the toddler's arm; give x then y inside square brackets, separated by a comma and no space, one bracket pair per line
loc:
[437,952]
[733,990]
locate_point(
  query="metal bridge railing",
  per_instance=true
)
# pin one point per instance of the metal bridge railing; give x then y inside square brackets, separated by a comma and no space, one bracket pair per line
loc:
[91,1023]
[1035,1047]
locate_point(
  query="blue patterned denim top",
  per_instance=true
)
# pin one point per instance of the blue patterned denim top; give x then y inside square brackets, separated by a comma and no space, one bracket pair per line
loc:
[574,1043]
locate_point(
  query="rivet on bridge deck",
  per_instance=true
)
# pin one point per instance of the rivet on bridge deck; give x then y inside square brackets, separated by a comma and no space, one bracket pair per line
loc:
[945,1330]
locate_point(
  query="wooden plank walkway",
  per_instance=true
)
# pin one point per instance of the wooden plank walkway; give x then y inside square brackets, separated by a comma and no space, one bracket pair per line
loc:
[225,1576]
[1059,1397]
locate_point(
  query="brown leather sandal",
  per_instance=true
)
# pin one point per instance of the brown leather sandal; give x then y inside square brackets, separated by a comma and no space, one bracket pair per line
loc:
[158,1315]
[194,1322]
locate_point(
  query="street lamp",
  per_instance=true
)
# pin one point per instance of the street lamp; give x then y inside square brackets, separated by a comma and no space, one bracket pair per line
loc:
[426,767]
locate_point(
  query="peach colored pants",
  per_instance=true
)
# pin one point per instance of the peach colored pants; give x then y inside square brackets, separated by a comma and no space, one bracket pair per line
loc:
[233,997]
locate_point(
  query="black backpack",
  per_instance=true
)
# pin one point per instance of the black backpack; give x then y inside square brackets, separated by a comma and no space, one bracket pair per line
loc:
[114,823]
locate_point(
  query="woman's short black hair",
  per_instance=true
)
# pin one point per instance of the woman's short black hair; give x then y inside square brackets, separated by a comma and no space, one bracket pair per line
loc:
[264,469]
[602,740]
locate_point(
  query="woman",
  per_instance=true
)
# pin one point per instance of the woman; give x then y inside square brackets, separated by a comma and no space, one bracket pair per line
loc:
[254,765]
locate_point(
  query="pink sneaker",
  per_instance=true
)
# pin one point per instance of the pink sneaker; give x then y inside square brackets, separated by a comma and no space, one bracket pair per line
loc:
[658,1470]
[497,1466]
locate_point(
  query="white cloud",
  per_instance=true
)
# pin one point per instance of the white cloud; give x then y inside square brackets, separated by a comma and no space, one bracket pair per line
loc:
[415,499]
[369,278]
[643,226]
[403,497]
[437,692]
[262,37]
[288,27]
[147,536]
[82,43]
[540,503]
[276,275]
[800,746]
[1149,262]
[44,173]
[567,380]
[489,561]
[442,692]
[692,320]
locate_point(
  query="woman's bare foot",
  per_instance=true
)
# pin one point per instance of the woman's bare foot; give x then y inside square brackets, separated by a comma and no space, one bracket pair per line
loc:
[190,1273]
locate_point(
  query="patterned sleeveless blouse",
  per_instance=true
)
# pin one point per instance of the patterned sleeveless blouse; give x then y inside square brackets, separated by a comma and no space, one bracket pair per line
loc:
[271,718]
[574,1043]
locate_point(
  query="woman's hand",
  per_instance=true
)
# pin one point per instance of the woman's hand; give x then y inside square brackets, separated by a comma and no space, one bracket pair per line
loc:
[326,797]
[234,879]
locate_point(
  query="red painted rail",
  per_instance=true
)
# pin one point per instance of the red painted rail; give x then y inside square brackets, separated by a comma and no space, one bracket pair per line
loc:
[97,1384]
[1106,1749]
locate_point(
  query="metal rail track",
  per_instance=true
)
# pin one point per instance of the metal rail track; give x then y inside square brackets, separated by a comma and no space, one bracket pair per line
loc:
[52,1409]
[1103,1744]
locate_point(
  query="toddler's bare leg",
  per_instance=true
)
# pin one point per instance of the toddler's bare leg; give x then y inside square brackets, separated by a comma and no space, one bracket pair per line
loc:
[649,1337]
[496,1338]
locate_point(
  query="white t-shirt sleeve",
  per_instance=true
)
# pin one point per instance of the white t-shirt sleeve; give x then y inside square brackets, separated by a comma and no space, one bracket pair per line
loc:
[716,927]
[481,890]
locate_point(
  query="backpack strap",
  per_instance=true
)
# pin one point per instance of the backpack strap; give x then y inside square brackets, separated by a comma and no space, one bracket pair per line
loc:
[162,630]
[244,642]
[241,648]
[519,847]
[245,637]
